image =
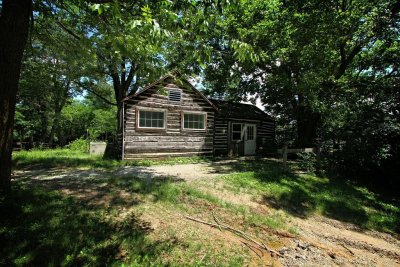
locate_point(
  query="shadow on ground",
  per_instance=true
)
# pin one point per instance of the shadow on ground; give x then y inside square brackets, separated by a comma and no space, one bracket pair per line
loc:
[80,227]
[100,187]
[303,195]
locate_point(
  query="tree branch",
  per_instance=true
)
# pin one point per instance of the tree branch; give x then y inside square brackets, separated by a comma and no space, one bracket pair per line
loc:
[395,9]
[130,76]
[345,61]
[96,94]
[123,71]
[67,30]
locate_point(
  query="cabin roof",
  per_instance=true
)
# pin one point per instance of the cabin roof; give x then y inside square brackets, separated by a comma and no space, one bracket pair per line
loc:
[243,111]
[171,75]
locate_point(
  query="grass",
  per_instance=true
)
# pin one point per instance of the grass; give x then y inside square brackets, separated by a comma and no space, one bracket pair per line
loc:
[307,194]
[63,157]
[43,227]
[186,198]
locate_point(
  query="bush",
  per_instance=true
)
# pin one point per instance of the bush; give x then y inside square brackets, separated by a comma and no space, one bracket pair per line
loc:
[79,144]
[307,161]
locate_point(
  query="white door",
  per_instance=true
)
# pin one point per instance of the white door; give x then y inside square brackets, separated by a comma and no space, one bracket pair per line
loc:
[250,139]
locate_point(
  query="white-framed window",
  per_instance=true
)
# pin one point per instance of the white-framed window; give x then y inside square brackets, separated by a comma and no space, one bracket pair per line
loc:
[236,131]
[194,120]
[151,118]
[175,95]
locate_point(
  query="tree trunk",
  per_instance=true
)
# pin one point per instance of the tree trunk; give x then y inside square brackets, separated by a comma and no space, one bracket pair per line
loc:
[61,100]
[14,27]
[120,94]
[121,84]
[56,122]
[307,124]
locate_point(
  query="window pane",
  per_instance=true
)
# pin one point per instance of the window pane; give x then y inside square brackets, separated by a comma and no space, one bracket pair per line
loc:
[236,136]
[148,123]
[237,127]
[193,121]
[252,132]
[151,119]
[142,122]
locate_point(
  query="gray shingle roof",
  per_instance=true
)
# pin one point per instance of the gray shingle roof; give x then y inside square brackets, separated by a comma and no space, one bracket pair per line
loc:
[240,111]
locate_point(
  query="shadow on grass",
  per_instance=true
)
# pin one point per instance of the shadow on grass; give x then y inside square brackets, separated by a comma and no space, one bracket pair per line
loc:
[304,195]
[123,187]
[42,228]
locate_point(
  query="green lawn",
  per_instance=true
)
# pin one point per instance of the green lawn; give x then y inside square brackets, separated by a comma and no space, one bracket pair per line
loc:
[51,158]
[41,226]
[44,228]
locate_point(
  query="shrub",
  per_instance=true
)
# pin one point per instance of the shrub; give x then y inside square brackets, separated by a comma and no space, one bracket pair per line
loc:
[79,144]
[307,161]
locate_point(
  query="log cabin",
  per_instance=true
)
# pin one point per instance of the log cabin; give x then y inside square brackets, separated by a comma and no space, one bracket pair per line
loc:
[170,117]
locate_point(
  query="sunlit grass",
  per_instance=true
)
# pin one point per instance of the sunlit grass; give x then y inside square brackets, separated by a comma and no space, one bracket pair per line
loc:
[43,227]
[307,194]
[69,158]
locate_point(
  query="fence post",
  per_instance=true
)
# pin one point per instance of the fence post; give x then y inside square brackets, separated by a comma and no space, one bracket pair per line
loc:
[318,153]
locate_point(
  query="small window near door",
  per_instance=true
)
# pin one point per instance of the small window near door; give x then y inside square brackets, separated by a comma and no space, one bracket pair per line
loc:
[250,132]
[236,131]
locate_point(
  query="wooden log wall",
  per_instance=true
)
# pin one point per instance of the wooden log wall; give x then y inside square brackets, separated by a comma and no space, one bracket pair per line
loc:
[173,141]
[265,134]
[221,136]
[265,137]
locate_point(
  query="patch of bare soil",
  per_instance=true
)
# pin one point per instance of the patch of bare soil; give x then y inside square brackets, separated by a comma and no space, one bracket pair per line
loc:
[331,242]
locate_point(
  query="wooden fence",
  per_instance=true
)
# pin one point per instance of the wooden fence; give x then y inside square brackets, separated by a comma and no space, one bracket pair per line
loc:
[284,151]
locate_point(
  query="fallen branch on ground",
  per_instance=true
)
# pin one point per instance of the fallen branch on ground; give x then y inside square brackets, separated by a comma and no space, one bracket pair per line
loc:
[237,232]
[216,220]
[253,248]
[351,252]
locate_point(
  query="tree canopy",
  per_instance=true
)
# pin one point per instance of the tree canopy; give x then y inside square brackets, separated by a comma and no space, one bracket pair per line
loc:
[327,71]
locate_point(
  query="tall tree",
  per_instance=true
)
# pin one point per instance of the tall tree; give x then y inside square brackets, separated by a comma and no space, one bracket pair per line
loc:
[14,27]
[293,54]
[117,29]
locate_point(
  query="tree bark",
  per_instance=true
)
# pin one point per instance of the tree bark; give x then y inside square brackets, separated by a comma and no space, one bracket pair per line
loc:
[307,123]
[121,84]
[14,27]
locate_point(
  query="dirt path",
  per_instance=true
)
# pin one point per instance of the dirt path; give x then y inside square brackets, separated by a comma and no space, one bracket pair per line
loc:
[327,242]
[320,241]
